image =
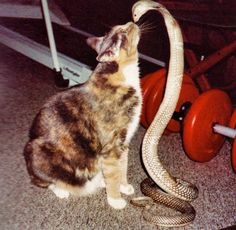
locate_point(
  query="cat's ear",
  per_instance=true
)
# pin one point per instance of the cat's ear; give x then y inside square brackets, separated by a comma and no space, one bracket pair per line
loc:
[95,43]
[110,49]
[107,48]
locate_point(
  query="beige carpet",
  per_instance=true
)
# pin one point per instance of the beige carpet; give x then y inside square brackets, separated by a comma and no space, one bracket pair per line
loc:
[24,86]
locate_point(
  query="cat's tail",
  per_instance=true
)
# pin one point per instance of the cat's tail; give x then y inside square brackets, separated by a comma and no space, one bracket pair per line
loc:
[38,176]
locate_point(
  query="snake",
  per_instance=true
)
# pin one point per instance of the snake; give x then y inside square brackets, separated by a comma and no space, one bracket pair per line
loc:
[177,193]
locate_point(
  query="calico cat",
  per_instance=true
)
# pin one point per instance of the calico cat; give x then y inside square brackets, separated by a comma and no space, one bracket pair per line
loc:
[79,140]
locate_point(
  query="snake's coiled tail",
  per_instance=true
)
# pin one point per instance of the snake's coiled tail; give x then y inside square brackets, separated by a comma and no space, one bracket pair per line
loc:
[149,188]
[176,187]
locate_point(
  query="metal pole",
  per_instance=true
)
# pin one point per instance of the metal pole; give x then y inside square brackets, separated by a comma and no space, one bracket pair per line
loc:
[226,131]
[50,35]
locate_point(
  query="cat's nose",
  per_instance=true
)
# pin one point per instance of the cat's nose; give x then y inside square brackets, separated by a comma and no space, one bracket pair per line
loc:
[129,24]
[132,26]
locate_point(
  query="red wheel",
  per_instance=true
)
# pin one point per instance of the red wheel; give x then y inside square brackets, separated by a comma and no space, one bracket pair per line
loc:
[232,124]
[147,83]
[200,142]
[188,93]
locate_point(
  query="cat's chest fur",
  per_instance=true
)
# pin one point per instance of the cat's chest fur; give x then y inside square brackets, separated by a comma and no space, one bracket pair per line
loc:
[117,100]
[131,74]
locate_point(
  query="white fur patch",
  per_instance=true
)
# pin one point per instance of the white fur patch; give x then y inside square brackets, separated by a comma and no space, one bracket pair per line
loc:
[132,127]
[90,187]
[127,189]
[93,185]
[131,74]
[116,203]
[59,192]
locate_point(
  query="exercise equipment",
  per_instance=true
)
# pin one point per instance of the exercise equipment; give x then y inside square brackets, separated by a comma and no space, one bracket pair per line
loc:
[232,125]
[192,60]
[197,69]
[210,61]
[204,117]
[153,88]
[68,71]
[206,124]
[153,82]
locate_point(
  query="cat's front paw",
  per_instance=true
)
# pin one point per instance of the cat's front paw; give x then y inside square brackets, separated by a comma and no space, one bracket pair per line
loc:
[119,203]
[127,189]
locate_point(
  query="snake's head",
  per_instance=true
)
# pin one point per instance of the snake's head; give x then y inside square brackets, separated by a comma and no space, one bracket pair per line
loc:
[141,7]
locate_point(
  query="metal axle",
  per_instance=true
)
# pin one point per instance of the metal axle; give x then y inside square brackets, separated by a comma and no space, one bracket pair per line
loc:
[223,130]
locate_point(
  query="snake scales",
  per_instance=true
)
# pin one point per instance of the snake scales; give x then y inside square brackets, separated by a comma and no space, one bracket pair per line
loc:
[179,192]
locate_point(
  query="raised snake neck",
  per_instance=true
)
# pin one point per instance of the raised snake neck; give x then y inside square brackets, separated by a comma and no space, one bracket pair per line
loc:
[173,186]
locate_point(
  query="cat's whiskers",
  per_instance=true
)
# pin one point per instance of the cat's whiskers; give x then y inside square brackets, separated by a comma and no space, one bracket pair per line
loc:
[146,27]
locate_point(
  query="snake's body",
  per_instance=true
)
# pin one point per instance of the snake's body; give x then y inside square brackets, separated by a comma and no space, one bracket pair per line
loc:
[177,188]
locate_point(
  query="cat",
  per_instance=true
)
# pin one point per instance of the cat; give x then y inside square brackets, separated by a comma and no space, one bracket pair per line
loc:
[79,140]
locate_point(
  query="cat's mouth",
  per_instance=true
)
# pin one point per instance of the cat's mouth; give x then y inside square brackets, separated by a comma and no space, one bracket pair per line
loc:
[132,28]
[133,32]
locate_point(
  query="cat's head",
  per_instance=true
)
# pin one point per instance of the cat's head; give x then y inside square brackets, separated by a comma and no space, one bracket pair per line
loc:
[120,42]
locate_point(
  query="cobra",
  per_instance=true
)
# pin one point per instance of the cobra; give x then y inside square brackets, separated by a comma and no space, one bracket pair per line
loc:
[176,187]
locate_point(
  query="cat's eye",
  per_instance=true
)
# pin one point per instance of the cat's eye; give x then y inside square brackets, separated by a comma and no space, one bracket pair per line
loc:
[123,32]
